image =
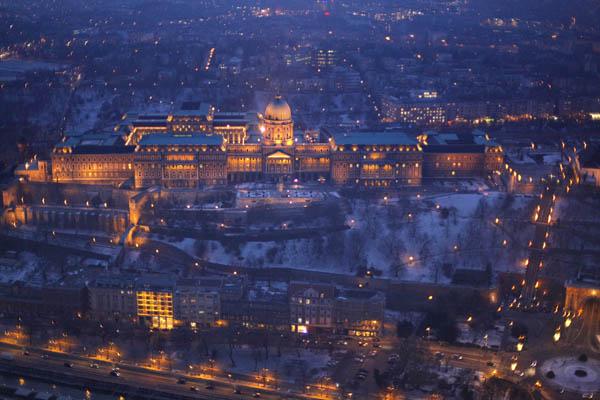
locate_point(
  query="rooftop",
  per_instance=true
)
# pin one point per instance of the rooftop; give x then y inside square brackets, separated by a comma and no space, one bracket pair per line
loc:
[299,287]
[194,139]
[457,142]
[476,137]
[355,294]
[91,139]
[373,138]
[138,281]
[591,158]
[193,108]
[95,143]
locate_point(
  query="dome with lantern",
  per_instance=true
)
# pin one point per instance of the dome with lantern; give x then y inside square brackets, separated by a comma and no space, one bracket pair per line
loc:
[278,110]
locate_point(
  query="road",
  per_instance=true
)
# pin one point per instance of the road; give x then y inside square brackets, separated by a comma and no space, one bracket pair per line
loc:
[473,358]
[542,219]
[132,380]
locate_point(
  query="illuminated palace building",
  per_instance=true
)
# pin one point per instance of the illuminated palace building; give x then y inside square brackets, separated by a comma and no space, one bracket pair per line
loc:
[194,147]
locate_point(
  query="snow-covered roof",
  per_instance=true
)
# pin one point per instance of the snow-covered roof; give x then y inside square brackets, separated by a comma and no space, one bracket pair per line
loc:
[161,139]
[373,138]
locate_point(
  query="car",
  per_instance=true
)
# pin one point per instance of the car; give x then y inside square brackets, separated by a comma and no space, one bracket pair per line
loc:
[376,345]
[256,394]
[181,381]
[26,352]
[68,365]
[457,357]
[209,386]
[237,391]
[44,356]
[115,373]
[587,396]
[194,388]
[94,365]
[490,363]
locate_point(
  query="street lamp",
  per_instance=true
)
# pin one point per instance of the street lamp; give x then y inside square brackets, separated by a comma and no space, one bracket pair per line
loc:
[556,336]
[520,346]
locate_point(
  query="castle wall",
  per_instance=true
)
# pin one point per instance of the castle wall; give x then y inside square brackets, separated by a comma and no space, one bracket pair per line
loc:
[107,220]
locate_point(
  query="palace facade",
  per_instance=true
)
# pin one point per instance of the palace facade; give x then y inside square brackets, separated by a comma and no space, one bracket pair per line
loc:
[194,147]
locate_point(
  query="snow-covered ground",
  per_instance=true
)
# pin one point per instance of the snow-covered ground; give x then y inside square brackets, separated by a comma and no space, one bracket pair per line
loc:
[286,363]
[34,270]
[86,113]
[572,374]
[491,338]
[22,268]
[418,238]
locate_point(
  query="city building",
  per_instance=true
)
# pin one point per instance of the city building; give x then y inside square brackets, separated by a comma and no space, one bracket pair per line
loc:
[376,159]
[325,58]
[197,305]
[317,308]
[180,161]
[583,292]
[157,301]
[589,164]
[34,171]
[311,307]
[359,312]
[113,296]
[262,307]
[154,302]
[94,159]
[181,151]
[422,110]
[20,299]
[460,155]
